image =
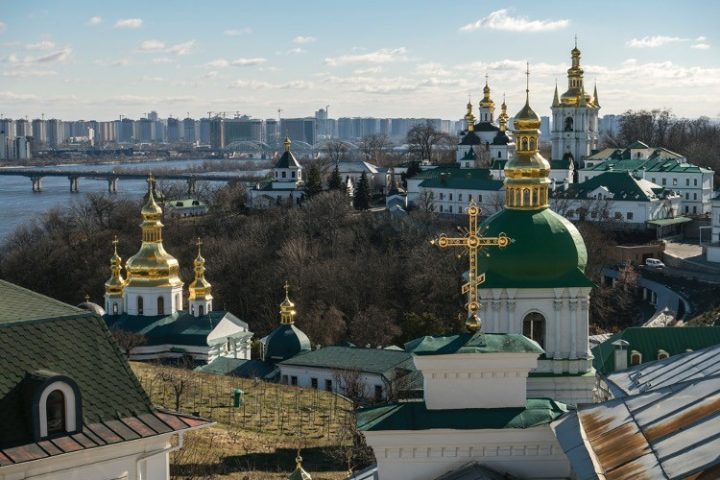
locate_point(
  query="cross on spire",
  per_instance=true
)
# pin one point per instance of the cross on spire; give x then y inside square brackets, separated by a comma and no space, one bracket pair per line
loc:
[473,242]
[115,242]
[576,40]
[527,75]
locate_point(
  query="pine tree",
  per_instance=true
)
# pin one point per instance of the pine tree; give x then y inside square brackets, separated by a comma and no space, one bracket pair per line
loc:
[313,183]
[361,200]
[335,182]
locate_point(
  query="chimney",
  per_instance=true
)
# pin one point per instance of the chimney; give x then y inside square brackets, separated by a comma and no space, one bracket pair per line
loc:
[566,183]
[621,347]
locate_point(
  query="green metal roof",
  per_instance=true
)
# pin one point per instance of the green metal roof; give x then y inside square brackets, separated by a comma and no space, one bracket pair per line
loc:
[284,342]
[180,328]
[371,360]
[39,333]
[648,341]
[473,343]
[547,251]
[416,416]
[464,179]
[622,184]
[663,222]
[659,160]
[562,164]
[470,138]
[20,303]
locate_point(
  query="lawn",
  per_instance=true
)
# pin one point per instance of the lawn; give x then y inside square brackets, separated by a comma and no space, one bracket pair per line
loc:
[259,439]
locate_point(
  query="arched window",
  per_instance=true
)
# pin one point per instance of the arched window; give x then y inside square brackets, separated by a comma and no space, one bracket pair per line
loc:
[662,354]
[524,143]
[532,143]
[635,358]
[115,308]
[55,411]
[569,124]
[526,197]
[534,327]
[499,154]
[161,306]
[140,305]
[178,305]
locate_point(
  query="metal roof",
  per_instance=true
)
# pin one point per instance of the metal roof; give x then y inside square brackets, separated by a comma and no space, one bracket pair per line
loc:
[667,433]
[679,368]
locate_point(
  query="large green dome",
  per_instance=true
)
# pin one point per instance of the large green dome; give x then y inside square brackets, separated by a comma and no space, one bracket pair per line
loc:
[285,342]
[547,252]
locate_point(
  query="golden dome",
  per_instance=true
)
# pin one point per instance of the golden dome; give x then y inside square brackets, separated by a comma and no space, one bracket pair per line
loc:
[487,102]
[152,266]
[287,143]
[575,94]
[469,117]
[287,308]
[199,287]
[116,282]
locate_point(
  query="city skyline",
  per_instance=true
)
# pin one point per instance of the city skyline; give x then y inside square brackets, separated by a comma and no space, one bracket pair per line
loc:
[379,60]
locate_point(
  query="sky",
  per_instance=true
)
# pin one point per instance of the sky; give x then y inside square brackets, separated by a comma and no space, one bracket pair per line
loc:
[97,60]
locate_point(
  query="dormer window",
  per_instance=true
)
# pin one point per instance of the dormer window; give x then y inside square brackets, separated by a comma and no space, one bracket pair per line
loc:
[55,412]
[55,405]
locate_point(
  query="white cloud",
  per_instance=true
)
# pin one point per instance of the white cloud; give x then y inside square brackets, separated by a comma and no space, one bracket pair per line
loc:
[367,71]
[432,69]
[129,23]
[43,45]
[300,40]
[28,73]
[58,56]
[182,48]
[501,20]
[384,55]
[236,32]
[700,46]
[120,62]
[261,85]
[211,74]
[293,51]
[92,21]
[162,60]
[248,62]
[17,97]
[152,45]
[219,63]
[700,39]
[653,41]
[145,100]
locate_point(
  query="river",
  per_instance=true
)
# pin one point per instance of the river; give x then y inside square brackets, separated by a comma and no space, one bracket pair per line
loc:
[18,203]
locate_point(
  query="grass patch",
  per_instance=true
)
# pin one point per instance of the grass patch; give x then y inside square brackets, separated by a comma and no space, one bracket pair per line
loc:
[259,439]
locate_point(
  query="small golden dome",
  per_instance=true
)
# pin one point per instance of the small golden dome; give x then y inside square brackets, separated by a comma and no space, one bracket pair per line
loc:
[287,308]
[199,287]
[116,283]
[287,143]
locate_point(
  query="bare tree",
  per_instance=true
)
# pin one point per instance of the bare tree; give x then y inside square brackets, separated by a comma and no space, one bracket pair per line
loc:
[127,340]
[180,381]
[373,147]
[336,150]
[352,385]
[423,138]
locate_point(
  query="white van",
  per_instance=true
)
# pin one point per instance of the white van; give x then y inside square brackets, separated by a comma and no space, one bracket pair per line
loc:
[654,263]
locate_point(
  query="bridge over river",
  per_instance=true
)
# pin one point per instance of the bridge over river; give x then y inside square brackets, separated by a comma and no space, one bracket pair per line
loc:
[36,176]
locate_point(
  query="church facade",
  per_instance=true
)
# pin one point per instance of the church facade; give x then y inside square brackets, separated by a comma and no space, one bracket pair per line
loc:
[150,302]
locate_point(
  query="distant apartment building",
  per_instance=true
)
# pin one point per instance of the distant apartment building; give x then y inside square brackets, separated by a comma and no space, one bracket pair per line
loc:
[544,128]
[39,130]
[55,132]
[126,130]
[217,139]
[243,129]
[144,128]
[173,130]
[189,128]
[609,124]
[7,127]
[299,129]
[272,131]
[23,128]
[204,130]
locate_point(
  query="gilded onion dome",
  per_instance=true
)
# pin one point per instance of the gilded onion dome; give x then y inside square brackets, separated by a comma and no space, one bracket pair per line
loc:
[469,117]
[486,101]
[116,282]
[575,94]
[287,308]
[527,172]
[503,117]
[200,288]
[152,266]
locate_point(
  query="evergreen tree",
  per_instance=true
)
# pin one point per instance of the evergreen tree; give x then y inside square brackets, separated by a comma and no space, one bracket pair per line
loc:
[412,170]
[335,182]
[313,183]
[361,200]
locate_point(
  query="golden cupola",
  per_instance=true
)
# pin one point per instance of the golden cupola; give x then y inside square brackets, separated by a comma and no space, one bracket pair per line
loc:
[469,117]
[115,284]
[486,101]
[527,172]
[576,94]
[503,117]
[287,308]
[152,266]
[200,288]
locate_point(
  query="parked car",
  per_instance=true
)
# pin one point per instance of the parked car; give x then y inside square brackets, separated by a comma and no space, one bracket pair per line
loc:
[653,263]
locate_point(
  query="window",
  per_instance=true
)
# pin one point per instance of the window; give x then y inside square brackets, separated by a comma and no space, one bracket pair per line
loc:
[284,174]
[662,354]
[284,379]
[328,385]
[450,196]
[629,215]
[201,310]
[534,327]
[687,182]
[618,216]
[459,197]
[140,305]
[293,174]
[635,358]
[569,124]
[450,209]
[653,180]
[694,196]
[378,393]
[314,383]
[695,182]
[694,209]
[687,196]
[293,380]
[441,209]
[674,182]
[442,196]
[479,198]
[161,306]
[55,411]
[499,154]
[664,181]
[115,308]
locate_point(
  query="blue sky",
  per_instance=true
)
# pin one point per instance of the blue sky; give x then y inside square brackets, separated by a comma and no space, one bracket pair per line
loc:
[97,60]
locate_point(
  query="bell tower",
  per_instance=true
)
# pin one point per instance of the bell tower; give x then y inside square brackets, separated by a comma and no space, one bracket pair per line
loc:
[575,117]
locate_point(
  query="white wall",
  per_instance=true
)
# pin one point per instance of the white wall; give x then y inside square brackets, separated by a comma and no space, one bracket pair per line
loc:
[305,374]
[171,295]
[531,453]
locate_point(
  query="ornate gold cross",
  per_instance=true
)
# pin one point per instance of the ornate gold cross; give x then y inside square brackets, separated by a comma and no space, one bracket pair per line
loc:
[473,242]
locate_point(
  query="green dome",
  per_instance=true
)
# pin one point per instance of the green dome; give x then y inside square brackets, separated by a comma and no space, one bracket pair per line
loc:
[548,251]
[285,342]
